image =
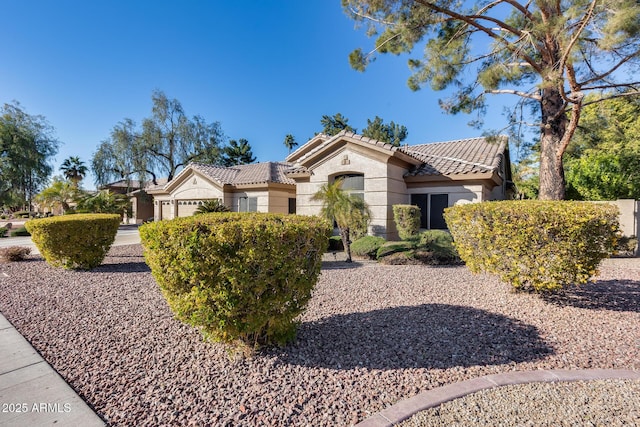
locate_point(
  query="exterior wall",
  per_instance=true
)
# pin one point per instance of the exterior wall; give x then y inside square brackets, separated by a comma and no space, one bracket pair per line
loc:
[629,216]
[262,196]
[377,178]
[279,201]
[458,193]
[142,208]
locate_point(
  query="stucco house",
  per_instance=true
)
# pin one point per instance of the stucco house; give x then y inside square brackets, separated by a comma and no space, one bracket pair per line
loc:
[259,187]
[433,176]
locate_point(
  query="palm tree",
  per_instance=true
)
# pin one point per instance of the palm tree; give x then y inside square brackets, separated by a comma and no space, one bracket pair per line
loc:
[74,170]
[290,142]
[347,210]
[59,193]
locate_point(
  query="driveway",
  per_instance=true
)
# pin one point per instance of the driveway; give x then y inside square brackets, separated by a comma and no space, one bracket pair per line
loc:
[127,235]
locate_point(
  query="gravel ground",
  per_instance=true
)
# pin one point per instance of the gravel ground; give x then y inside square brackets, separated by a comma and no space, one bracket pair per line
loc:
[372,335]
[584,403]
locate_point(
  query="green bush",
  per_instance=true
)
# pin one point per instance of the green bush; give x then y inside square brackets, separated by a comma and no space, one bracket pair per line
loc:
[438,246]
[539,245]
[367,246]
[14,253]
[407,219]
[3,231]
[76,241]
[238,277]
[390,248]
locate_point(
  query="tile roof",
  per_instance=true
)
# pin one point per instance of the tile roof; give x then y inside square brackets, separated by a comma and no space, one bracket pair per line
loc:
[463,156]
[255,173]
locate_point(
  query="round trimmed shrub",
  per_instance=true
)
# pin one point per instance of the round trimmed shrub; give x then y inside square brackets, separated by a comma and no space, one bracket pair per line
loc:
[238,277]
[367,246]
[76,241]
[538,245]
[407,219]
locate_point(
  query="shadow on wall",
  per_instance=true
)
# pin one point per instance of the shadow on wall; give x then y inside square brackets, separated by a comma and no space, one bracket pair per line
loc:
[432,336]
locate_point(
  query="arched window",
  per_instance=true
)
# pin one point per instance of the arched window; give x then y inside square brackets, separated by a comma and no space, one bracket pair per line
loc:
[352,183]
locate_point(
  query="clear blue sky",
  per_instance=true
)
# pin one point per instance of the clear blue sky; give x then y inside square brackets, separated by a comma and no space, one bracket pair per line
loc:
[262,69]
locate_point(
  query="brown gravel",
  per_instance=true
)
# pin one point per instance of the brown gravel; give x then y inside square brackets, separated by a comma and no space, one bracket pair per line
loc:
[372,335]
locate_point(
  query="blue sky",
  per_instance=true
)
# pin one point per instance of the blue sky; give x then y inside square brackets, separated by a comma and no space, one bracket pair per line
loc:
[262,69]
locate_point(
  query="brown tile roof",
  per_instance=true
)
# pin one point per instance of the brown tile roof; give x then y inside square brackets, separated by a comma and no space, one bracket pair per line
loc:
[463,156]
[255,173]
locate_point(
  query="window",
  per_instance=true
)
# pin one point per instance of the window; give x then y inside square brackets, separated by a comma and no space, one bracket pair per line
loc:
[431,210]
[292,205]
[352,183]
[248,204]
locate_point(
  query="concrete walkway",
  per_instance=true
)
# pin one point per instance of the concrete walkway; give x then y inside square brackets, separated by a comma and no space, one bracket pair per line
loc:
[32,393]
[127,235]
[405,409]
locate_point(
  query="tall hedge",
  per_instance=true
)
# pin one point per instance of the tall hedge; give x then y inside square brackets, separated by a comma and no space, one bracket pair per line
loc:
[407,219]
[539,245]
[74,241]
[237,276]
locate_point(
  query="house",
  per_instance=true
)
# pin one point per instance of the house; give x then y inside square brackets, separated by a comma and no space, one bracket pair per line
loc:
[141,201]
[433,176]
[259,187]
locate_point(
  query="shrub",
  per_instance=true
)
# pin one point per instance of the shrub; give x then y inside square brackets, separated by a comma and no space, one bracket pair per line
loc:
[539,245]
[390,248]
[627,245]
[213,205]
[78,241]
[14,253]
[437,247]
[238,277]
[3,231]
[367,246]
[20,232]
[407,219]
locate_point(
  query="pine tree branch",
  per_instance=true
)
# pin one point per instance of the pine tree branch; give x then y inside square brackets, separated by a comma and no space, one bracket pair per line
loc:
[473,23]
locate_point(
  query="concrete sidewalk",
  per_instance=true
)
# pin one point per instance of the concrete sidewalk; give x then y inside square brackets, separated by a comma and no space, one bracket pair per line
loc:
[32,393]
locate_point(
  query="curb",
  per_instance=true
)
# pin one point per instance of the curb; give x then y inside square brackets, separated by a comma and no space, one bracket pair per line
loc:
[405,409]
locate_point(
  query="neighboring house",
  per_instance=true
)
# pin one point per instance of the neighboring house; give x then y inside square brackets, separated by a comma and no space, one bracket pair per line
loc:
[258,187]
[433,176]
[141,201]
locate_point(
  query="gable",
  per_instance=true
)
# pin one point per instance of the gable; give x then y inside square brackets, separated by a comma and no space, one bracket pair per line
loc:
[321,149]
[193,185]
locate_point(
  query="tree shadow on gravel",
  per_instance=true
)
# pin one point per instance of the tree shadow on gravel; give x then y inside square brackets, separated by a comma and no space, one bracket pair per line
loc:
[432,336]
[123,267]
[615,295]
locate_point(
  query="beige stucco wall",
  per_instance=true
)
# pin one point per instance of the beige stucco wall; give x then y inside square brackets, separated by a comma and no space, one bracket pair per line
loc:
[629,216]
[183,199]
[279,200]
[382,183]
